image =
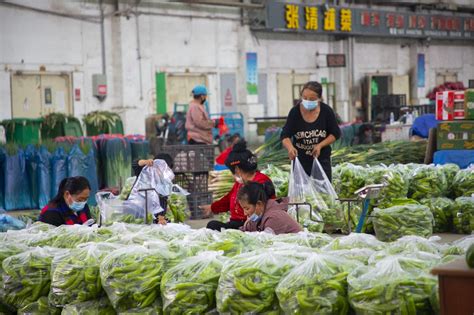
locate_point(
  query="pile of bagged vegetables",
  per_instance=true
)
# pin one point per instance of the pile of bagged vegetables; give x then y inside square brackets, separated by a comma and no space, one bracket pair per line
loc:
[444,189]
[173,269]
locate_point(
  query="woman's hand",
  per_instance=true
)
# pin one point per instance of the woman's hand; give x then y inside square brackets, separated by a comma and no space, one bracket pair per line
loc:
[317,150]
[161,220]
[292,153]
[207,211]
[145,163]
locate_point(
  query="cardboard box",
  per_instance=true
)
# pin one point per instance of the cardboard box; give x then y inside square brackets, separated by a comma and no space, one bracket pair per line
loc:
[469,104]
[455,135]
[450,105]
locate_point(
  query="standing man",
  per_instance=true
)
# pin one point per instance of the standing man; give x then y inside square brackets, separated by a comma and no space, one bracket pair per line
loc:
[198,124]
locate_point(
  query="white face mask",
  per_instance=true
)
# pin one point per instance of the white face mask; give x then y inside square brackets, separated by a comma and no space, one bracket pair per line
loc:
[310,105]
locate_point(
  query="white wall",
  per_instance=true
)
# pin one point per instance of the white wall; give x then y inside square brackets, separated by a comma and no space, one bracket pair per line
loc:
[183,44]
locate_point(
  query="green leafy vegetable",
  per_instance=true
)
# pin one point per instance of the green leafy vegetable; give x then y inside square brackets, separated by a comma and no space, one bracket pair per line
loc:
[428,182]
[463,184]
[441,208]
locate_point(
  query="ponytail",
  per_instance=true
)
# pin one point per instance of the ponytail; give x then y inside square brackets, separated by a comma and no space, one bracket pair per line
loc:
[254,192]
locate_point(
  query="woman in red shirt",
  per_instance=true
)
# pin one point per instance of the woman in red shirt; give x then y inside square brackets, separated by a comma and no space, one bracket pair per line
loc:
[243,165]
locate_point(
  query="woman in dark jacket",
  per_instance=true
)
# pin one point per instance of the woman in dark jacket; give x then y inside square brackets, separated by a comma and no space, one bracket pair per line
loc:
[310,129]
[70,204]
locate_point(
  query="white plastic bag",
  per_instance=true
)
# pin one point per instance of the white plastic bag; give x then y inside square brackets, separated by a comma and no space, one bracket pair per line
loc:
[158,177]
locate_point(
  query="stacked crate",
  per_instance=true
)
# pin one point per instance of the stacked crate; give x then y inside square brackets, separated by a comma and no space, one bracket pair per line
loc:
[455,111]
[192,164]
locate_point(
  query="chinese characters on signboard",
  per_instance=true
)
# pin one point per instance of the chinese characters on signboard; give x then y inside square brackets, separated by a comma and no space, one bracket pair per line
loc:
[312,15]
[318,19]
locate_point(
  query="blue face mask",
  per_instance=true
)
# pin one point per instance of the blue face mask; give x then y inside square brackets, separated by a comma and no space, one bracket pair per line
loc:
[309,105]
[254,217]
[77,206]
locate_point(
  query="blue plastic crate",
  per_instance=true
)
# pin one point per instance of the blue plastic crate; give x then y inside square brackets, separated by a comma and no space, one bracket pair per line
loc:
[233,120]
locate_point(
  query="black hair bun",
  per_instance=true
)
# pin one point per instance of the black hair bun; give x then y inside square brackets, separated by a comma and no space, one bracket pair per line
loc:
[240,146]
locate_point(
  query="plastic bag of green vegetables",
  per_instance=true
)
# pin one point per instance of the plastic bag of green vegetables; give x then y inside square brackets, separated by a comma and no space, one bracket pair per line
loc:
[190,287]
[355,240]
[131,275]
[396,184]
[27,276]
[113,209]
[127,188]
[395,285]
[458,247]
[234,242]
[279,178]
[40,307]
[69,236]
[361,255]
[427,250]
[463,184]
[318,286]
[10,248]
[441,208]
[303,192]
[450,171]
[75,275]
[100,306]
[178,205]
[392,223]
[463,215]
[428,181]
[348,178]
[312,240]
[331,210]
[248,281]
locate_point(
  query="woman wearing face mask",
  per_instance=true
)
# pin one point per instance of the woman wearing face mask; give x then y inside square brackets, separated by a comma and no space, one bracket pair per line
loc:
[70,204]
[198,125]
[265,214]
[243,165]
[310,129]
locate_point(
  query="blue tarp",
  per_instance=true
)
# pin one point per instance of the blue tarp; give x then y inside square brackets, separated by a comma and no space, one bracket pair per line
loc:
[80,164]
[463,158]
[43,161]
[32,171]
[423,124]
[58,169]
[16,188]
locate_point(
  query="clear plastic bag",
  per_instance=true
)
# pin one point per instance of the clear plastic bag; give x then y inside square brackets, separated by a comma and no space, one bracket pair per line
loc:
[302,190]
[331,211]
[463,183]
[27,276]
[69,236]
[355,240]
[131,276]
[427,181]
[318,286]
[40,307]
[463,215]
[248,281]
[395,285]
[410,219]
[75,275]
[190,287]
[114,209]
[361,255]
[178,205]
[312,240]
[441,208]
[100,306]
[127,188]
